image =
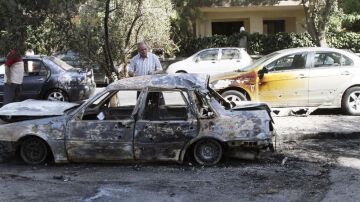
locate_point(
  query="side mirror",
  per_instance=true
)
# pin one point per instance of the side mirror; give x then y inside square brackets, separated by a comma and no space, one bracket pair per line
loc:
[262,71]
[197,59]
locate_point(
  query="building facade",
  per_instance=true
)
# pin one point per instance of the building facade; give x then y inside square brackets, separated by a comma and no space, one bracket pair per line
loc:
[285,16]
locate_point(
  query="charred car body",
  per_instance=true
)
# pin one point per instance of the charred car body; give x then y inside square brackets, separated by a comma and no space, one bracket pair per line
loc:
[50,78]
[149,118]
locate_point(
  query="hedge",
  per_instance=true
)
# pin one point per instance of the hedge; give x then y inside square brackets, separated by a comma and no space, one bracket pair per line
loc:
[263,44]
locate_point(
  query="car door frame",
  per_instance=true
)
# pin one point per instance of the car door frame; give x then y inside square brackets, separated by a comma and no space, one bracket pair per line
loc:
[33,85]
[205,65]
[333,78]
[147,144]
[84,147]
[272,86]
[228,65]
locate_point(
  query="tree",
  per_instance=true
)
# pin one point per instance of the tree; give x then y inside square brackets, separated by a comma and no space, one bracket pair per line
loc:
[318,13]
[107,31]
[39,24]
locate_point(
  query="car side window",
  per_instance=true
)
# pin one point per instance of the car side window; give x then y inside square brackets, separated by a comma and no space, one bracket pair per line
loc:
[208,55]
[166,105]
[230,54]
[117,106]
[35,68]
[289,62]
[331,59]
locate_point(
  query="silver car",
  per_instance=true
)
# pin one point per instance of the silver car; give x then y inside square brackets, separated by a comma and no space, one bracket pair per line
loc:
[299,77]
[212,61]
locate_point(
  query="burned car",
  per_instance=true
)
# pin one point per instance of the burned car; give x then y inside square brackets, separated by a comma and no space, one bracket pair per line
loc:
[148,118]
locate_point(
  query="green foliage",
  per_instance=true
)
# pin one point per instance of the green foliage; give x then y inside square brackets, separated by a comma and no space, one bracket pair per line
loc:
[344,40]
[350,6]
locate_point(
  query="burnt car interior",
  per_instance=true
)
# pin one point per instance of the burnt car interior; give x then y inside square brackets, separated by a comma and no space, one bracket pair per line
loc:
[117,105]
[158,106]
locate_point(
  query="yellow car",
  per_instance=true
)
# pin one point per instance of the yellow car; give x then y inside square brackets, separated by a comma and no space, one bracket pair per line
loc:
[299,77]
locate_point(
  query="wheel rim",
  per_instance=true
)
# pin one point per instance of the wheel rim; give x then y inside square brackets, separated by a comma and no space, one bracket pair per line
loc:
[233,98]
[33,151]
[354,102]
[56,96]
[208,152]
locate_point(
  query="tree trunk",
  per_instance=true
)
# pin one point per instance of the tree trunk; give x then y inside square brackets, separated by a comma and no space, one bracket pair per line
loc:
[108,57]
[317,29]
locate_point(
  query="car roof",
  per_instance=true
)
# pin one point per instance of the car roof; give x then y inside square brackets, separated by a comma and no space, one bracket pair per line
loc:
[163,81]
[291,50]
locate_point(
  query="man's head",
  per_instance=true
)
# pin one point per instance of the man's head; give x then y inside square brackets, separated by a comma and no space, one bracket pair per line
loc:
[142,49]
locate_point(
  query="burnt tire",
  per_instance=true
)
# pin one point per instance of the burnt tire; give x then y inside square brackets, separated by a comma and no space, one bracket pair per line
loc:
[234,96]
[350,103]
[34,151]
[207,152]
[57,95]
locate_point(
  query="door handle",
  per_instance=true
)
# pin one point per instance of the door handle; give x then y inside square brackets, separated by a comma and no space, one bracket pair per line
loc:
[345,73]
[301,76]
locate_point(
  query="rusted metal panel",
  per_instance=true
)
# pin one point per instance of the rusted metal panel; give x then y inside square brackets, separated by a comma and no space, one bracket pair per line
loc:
[159,140]
[93,140]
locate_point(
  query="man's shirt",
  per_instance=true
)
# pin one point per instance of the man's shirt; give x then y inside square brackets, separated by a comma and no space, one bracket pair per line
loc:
[144,66]
[14,73]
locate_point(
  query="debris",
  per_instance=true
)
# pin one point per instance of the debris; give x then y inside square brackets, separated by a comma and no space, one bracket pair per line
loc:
[284,161]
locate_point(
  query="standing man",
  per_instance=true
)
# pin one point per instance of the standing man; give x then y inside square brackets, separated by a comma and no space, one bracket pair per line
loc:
[14,73]
[144,63]
[243,38]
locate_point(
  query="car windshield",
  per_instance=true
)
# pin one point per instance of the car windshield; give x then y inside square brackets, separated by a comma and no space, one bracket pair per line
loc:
[258,62]
[60,63]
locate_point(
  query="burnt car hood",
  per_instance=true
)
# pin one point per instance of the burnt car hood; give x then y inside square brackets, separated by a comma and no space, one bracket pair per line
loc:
[36,108]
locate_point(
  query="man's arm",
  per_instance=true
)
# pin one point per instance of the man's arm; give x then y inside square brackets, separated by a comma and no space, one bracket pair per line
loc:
[159,69]
[131,68]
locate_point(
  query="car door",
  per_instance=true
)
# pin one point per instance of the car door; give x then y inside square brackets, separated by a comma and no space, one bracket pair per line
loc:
[205,62]
[164,126]
[286,82]
[329,72]
[104,129]
[35,75]
[230,60]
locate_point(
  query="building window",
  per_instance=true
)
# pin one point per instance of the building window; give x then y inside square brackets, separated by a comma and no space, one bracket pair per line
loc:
[226,28]
[273,26]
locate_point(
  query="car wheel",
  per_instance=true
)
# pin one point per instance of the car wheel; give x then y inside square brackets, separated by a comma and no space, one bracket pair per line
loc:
[56,95]
[181,71]
[234,96]
[350,103]
[33,151]
[208,152]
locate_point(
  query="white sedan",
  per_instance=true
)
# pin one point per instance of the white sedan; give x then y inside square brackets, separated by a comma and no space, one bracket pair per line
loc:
[212,61]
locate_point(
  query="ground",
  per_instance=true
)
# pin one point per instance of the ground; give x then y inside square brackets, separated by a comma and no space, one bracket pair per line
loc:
[317,159]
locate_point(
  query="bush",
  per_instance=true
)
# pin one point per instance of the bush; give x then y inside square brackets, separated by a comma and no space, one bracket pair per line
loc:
[263,44]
